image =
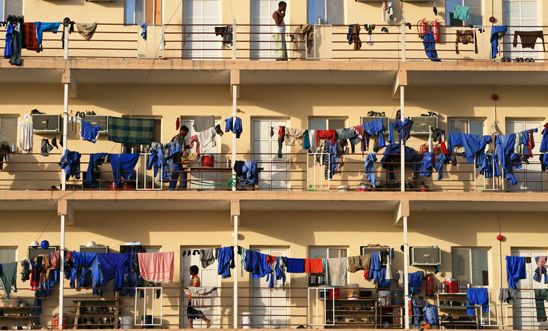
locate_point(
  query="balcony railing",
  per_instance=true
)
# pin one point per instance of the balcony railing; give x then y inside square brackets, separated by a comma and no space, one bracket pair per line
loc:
[291,172]
[291,306]
[303,42]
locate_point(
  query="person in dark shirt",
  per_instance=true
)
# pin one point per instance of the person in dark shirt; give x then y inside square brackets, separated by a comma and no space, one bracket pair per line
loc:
[178,160]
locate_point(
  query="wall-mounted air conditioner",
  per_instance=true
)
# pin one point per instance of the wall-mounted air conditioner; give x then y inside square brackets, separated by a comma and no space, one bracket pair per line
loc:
[100,120]
[94,249]
[42,123]
[421,124]
[425,255]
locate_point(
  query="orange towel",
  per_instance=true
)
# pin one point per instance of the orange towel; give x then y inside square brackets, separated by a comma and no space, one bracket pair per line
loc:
[313,266]
[156,267]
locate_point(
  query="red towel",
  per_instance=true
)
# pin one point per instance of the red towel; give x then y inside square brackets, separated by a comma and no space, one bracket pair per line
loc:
[326,135]
[313,266]
[270,259]
[29,37]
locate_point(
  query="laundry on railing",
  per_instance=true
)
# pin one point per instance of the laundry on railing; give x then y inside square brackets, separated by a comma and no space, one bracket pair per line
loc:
[466,37]
[89,132]
[497,32]
[128,130]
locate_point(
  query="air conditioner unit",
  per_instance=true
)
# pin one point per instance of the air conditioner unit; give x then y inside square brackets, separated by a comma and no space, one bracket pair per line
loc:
[421,124]
[425,255]
[42,123]
[94,249]
[100,120]
[364,250]
[37,251]
[386,121]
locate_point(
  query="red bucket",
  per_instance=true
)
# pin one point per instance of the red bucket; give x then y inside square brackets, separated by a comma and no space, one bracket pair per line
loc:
[208,161]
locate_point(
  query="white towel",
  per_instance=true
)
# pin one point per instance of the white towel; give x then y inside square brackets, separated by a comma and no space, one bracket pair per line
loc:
[337,268]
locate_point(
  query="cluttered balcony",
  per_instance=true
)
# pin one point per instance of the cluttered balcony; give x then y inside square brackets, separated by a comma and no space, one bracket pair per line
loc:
[362,158]
[423,41]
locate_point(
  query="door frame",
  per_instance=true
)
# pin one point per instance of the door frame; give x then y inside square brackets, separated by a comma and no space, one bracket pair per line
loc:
[183,323]
[220,22]
[536,55]
[286,289]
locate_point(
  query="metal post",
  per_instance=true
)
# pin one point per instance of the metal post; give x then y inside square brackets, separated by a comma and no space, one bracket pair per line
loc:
[405,236]
[236,271]
[406,272]
[234,39]
[234,141]
[62,271]
[402,144]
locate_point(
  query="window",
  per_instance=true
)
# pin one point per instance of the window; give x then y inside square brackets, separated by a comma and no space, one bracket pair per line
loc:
[8,254]
[470,265]
[127,148]
[134,12]
[8,130]
[466,125]
[143,11]
[325,11]
[475,12]
[323,252]
[10,7]
[326,123]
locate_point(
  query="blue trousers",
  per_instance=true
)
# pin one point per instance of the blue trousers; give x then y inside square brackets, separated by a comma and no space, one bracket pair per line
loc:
[176,171]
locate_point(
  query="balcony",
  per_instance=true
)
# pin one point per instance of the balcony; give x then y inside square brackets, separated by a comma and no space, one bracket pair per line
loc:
[255,42]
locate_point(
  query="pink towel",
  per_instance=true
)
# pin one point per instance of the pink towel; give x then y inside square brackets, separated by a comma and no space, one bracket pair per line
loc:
[156,267]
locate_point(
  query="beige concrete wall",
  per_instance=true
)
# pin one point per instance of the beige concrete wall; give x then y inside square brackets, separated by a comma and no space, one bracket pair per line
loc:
[296,231]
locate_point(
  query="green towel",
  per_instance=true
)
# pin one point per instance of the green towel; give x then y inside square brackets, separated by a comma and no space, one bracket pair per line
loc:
[461,12]
[129,130]
[8,277]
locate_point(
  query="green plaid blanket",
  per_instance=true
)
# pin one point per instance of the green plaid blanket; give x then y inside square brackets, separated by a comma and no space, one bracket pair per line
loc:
[129,130]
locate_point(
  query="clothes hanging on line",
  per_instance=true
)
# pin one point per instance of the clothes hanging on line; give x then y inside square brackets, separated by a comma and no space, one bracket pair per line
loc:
[529,39]
[234,124]
[429,43]
[477,296]
[337,270]
[29,37]
[515,270]
[497,32]
[466,37]
[157,267]
[86,30]
[89,132]
[8,277]
[42,27]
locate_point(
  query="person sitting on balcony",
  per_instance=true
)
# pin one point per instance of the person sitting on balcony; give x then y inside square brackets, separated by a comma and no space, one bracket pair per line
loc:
[279,32]
[178,142]
[191,312]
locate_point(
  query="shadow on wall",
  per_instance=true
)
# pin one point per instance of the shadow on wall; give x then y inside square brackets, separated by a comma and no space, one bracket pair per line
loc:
[26,171]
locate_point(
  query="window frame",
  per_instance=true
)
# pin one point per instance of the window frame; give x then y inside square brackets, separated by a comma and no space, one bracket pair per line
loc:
[16,119]
[464,23]
[326,13]
[470,249]
[134,16]
[467,123]
[327,119]
[343,252]
[2,10]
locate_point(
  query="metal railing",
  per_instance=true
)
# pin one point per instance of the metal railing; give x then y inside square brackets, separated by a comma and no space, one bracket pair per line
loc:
[290,306]
[292,172]
[397,42]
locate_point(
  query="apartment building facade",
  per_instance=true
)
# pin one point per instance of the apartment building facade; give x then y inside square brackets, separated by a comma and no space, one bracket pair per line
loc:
[176,62]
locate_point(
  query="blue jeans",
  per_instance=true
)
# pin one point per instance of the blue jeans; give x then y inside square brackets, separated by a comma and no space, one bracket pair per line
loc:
[176,171]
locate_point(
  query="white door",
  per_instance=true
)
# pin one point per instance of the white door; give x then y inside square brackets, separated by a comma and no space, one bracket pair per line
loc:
[270,306]
[205,180]
[262,27]
[522,15]
[275,171]
[200,19]
[530,176]
[524,308]
[208,278]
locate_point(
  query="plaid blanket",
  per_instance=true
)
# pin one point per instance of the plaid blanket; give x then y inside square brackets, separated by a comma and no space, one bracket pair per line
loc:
[128,130]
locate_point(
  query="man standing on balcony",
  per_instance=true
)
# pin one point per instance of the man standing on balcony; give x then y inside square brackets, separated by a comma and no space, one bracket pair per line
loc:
[177,149]
[279,32]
